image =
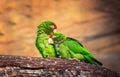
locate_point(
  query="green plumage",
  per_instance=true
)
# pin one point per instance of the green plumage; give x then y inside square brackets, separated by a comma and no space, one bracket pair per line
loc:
[67,47]
[43,32]
[64,47]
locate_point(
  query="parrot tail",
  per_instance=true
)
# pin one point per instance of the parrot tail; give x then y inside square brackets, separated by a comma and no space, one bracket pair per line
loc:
[93,61]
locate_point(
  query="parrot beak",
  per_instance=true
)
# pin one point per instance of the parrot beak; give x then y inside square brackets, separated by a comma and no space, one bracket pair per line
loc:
[50,40]
[54,30]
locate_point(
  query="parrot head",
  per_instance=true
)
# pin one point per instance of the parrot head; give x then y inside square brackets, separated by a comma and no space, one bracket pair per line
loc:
[56,38]
[47,27]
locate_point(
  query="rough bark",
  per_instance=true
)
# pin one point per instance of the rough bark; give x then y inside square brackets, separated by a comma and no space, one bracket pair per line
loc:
[21,66]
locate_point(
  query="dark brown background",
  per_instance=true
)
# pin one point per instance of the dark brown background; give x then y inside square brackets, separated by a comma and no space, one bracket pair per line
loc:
[95,23]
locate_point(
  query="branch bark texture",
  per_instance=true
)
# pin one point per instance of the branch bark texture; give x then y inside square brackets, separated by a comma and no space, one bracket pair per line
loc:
[21,66]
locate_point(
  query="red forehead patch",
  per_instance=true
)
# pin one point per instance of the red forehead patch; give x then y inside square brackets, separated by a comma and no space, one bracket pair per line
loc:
[51,36]
[55,27]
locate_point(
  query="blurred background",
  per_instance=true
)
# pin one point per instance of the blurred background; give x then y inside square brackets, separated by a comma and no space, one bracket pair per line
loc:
[95,23]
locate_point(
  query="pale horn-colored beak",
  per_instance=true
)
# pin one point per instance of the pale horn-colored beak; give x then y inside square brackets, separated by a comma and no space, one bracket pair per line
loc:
[54,30]
[50,41]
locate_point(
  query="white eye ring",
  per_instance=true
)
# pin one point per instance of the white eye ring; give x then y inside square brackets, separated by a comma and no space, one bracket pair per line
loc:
[52,26]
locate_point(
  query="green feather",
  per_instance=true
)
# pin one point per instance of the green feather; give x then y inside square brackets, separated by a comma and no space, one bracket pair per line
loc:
[70,48]
[43,31]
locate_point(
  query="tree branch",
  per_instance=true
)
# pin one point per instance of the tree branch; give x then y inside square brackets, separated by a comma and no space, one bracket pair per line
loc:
[20,66]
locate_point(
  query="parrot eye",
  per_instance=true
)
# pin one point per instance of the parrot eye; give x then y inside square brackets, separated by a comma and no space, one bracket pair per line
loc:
[52,26]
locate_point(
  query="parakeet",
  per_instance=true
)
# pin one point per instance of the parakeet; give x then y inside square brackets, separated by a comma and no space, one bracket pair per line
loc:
[44,30]
[67,47]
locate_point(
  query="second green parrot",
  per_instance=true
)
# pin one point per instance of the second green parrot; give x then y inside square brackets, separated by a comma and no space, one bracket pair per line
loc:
[67,47]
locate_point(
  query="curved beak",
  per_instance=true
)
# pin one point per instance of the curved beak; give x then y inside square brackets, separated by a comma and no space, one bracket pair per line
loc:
[54,30]
[50,41]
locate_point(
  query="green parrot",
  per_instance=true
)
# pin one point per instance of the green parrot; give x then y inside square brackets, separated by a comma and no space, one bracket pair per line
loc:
[44,30]
[67,47]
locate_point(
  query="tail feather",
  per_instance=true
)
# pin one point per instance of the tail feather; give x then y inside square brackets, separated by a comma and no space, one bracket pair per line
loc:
[97,61]
[93,61]
[86,60]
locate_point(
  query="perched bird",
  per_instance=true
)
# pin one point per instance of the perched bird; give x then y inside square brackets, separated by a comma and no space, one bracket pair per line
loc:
[67,47]
[44,30]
